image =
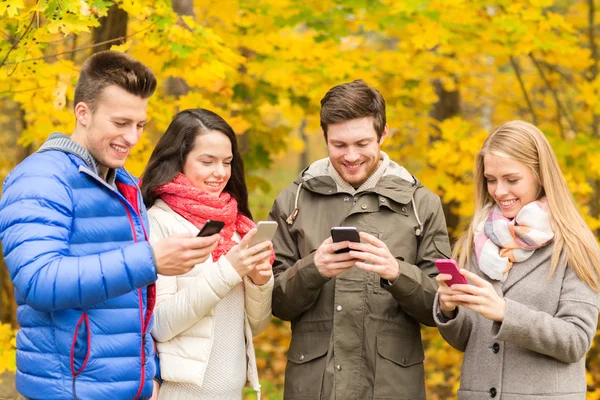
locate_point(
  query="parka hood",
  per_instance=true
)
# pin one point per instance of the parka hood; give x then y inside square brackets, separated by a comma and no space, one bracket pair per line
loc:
[396,183]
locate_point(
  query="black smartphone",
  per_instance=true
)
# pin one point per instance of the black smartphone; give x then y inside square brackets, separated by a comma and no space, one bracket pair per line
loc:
[344,233]
[211,227]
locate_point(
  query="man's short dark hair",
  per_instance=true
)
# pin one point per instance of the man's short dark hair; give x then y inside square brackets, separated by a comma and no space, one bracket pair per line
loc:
[108,68]
[353,100]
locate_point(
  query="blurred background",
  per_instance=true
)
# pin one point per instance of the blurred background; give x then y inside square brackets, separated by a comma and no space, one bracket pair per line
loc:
[450,71]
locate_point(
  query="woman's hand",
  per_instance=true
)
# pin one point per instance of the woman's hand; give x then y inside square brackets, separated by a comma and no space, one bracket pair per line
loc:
[244,258]
[479,297]
[155,390]
[262,273]
[446,293]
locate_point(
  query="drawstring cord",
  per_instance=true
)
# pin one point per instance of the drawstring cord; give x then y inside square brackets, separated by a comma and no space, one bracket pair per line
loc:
[419,230]
[290,220]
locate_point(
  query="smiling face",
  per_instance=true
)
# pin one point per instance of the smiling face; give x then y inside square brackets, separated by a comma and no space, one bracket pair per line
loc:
[113,128]
[354,149]
[510,183]
[208,165]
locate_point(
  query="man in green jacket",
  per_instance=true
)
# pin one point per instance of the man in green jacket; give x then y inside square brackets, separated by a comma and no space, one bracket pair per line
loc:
[355,315]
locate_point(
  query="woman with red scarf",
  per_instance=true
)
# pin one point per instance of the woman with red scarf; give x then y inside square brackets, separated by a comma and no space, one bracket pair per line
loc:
[205,319]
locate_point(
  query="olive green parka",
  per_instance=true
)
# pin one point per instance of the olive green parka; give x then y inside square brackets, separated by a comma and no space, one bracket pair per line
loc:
[356,336]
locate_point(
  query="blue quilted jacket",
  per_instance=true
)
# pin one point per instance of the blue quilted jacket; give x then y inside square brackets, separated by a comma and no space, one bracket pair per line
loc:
[81,265]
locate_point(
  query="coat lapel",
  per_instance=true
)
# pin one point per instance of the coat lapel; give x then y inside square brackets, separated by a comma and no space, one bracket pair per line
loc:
[522,269]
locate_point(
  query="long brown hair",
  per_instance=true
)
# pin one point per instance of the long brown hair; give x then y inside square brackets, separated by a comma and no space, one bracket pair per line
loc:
[169,155]
[526,144]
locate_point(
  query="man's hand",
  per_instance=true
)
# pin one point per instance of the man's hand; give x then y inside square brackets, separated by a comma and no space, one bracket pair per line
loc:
[244,258]
[330,264]
[375,256]
[178,254]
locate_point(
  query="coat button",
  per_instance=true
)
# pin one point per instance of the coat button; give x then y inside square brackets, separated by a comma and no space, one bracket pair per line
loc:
[338,367]
[301,357]
[346,198]
[364,206]
[382,200]
[495,347]
[403,208]
[493,392]
[339,308]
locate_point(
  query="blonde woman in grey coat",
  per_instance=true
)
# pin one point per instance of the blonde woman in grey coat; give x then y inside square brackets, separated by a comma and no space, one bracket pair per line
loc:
[528,316]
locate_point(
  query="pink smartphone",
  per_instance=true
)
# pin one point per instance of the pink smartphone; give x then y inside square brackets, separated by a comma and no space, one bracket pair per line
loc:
[446,266]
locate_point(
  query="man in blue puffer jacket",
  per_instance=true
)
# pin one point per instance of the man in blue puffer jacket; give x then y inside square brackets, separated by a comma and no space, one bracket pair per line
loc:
[74,232]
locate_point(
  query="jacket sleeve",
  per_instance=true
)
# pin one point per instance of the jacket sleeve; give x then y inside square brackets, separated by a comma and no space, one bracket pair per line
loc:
[36,220]
[297,280]
[456,331]
[178,309]
[416,286]
[258,304]
[567,336]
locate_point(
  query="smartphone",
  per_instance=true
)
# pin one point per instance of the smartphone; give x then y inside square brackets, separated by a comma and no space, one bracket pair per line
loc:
[211,227]
[447,266]
[344,233]
[265,230]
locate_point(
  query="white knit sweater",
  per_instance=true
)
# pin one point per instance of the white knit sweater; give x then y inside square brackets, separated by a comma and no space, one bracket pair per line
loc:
[185,313]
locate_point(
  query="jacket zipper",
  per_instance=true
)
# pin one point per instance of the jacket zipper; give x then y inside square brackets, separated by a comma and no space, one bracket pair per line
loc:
[143,323]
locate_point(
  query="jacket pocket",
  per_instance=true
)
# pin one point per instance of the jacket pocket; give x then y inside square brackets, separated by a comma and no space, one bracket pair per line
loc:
[306,364]
[80,349]
[399,367]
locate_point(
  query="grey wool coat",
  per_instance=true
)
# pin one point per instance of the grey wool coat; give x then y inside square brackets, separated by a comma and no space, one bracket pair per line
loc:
[538,351]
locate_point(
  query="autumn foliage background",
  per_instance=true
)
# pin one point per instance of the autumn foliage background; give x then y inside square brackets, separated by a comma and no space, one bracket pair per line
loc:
[450,71]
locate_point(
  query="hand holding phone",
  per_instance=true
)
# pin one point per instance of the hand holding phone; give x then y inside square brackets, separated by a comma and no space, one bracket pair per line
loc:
[210,228]
[344,233]
[448,266]
[265,230]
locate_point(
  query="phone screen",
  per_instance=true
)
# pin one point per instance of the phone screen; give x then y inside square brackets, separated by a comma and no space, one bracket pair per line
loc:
[344,233]
[210,228]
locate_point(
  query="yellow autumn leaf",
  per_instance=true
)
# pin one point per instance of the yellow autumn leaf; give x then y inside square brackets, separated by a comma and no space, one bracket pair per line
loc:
[11,8]
[123,48]
[239,125]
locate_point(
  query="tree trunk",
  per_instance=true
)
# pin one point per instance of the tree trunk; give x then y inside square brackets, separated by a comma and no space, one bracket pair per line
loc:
[593,74]
[447,106]
[8,307]
[177,86]
[305,155]
[113,26]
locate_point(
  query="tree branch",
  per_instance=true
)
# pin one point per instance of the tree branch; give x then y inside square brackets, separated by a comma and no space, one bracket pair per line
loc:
[121,38]
[560,109]
[15,44]
[517,69]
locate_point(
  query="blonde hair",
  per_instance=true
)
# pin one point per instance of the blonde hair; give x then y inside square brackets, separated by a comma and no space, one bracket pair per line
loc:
[526,144]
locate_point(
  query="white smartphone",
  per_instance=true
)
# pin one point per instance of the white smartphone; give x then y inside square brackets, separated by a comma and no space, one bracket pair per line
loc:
[265,231]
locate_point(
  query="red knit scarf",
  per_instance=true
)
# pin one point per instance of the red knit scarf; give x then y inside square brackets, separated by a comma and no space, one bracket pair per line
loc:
[197,206]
